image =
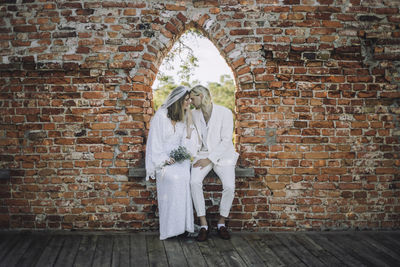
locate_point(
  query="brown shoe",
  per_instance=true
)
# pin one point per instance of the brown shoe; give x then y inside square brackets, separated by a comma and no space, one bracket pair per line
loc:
[223,233]
[203,235]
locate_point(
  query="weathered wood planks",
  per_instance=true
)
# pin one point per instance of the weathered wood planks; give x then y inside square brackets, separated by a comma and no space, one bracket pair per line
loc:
[244,249]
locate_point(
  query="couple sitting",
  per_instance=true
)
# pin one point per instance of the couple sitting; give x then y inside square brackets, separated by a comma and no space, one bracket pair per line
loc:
[206,133]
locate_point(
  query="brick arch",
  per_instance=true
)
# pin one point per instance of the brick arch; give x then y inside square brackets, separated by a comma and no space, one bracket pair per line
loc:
[144,75]
[171,31]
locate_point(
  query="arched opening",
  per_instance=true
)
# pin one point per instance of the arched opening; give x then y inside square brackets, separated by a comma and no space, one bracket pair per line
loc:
[143,75]
[193,60]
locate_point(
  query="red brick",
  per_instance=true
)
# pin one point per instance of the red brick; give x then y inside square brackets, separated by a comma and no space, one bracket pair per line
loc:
[324,186]
[350,186]
[386,10]
[122,65]
[269,31]
[287,155]
[387,171]
[343,155]
[175,7]
[104,155]
[307,171]
[64,141]
[321,124]
[129,12]
[334,79]
[94,95]
[130,48]
[103,126]
[334,170]
[322,31]
[240,32]
[182,17]
[133,216]
[203,19]
[280,171]
[27,28]
[317,155]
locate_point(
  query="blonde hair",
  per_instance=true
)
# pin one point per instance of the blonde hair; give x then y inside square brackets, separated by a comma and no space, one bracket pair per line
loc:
[200,89]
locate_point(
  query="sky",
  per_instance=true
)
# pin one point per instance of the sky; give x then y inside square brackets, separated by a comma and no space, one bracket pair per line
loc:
[211,64]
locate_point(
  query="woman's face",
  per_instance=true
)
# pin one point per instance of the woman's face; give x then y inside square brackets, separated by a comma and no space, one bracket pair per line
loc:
[186,102]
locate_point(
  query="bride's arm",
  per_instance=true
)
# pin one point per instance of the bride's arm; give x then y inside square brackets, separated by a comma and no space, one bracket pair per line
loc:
[191,139]
[156,157]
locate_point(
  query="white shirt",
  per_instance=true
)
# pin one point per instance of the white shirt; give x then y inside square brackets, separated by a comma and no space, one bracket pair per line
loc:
[204,133]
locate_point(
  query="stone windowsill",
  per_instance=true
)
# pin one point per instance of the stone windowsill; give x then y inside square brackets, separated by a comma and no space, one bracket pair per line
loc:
[239,172]
[141,173]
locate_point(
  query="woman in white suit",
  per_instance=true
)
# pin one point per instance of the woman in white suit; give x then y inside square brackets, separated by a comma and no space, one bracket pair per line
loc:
[214,125]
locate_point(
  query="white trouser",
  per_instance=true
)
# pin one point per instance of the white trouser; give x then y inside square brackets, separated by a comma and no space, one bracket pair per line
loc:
[227,176]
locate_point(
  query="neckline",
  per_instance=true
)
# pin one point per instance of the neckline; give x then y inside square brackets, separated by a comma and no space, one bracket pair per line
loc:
[172,124]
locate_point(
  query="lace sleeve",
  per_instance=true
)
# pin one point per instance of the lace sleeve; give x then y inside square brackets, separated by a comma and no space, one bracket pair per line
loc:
[155,154]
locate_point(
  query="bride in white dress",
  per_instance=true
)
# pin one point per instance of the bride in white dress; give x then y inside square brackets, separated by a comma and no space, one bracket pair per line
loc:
[171,127]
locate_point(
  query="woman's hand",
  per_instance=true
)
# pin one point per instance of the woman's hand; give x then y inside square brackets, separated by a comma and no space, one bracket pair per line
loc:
[189,122]
[189,118]
[170,161]
[202,163]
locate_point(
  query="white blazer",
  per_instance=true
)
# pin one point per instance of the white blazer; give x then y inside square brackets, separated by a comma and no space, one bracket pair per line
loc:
[219,136]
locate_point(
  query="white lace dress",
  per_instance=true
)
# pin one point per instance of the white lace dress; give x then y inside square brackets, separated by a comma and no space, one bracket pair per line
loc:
[173,189]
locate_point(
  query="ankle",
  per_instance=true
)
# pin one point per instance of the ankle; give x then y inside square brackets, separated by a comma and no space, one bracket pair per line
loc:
[203,221]
[221,221]
[221,225]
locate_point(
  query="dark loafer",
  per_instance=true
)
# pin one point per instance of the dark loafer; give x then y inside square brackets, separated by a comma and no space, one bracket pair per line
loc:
[223,233]
[203,235]
[184,235]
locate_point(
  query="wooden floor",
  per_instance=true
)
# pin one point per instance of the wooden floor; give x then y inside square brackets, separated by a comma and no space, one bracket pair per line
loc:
[244,249]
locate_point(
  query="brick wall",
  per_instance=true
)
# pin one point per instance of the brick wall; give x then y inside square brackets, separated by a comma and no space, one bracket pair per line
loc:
[317,108]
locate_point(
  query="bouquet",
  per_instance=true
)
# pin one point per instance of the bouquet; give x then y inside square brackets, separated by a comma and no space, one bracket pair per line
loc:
[180,154]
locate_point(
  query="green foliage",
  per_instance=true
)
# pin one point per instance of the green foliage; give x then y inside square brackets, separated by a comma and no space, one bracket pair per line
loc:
[223,93]
[180,154]
[184,53]
[187,67]
[167,84]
